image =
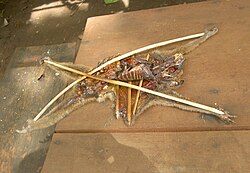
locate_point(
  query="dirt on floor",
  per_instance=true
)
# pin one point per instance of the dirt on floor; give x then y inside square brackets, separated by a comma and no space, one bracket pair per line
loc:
[45,22]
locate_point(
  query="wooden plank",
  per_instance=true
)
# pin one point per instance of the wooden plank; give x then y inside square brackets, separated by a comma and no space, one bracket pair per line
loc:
[149,152]
[216,72]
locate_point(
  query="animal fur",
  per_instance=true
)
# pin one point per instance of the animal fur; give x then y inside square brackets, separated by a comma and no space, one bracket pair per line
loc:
[84,93]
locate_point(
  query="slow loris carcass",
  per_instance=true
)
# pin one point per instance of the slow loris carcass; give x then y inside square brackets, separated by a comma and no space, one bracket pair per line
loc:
[160,71]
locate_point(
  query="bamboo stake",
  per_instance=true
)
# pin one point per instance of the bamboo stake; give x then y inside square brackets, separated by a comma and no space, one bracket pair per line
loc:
[183,101]
[114,60]
[138,93]
[117,102]
[129,110]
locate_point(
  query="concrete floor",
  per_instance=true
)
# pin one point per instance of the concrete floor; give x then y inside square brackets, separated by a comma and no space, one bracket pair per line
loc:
[45,22]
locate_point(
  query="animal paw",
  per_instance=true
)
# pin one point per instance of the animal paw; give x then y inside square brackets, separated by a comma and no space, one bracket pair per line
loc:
[227,118]
[27,128]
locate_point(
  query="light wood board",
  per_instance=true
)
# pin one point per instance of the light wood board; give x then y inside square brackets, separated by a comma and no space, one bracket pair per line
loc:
[168,152]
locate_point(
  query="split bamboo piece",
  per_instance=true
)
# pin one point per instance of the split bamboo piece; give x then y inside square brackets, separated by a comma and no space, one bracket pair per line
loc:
[129,110]
[117,102]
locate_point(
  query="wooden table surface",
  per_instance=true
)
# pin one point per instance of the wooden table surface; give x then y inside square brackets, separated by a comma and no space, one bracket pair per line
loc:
[165,139]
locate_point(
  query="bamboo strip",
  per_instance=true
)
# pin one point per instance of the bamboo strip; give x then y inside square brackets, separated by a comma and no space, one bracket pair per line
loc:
[117,103]
[129,110]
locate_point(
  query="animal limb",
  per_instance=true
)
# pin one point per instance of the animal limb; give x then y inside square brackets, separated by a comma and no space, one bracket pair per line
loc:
[149,47]
[227,118]
[63,109]
[184,49]
[57,97]
[55,115]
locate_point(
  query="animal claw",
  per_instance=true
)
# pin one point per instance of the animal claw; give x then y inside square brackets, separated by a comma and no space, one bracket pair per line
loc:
[227,118]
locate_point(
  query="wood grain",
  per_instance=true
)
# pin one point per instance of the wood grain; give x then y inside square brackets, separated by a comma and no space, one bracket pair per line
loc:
[167,152]
[216,72]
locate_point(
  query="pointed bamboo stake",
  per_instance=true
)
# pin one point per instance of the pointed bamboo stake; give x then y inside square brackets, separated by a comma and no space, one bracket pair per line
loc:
[138,93]
[117,102]
[115,60]
[129,110]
